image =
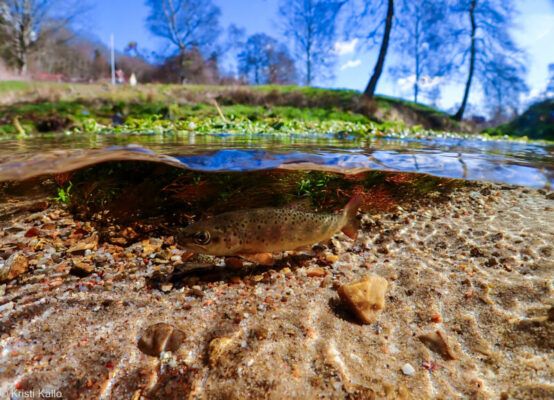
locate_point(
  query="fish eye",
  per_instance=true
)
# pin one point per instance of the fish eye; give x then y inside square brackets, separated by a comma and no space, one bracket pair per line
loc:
[202,237]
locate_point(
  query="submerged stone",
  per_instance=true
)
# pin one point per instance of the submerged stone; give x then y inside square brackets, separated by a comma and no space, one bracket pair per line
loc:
[217,348]
[438,342]
[15,265]
[366,297]
[160,337]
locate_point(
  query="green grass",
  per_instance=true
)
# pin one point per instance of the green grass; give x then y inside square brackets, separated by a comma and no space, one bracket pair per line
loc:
[13,86]
[537,122]
[170,109]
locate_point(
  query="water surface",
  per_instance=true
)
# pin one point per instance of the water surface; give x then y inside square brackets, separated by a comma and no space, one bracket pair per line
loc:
[527,164]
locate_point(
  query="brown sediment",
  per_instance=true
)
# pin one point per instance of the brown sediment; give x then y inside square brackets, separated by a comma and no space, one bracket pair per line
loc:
[280,331]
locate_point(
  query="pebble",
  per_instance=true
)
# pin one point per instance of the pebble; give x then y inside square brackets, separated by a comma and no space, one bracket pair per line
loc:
[80,268]
[331,258]
[159,338]
[217,348]
[408,370]
[316,272]
[14,266]
[166,287]
[438,342]
[87,244]
[366,297]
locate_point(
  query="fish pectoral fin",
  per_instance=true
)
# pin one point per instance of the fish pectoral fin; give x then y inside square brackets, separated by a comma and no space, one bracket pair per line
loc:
[259,258]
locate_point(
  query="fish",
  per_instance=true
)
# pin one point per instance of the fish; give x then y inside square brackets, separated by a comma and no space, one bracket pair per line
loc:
[266,230]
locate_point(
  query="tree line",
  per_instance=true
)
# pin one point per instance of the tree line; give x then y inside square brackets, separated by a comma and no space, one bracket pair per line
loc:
[441,40]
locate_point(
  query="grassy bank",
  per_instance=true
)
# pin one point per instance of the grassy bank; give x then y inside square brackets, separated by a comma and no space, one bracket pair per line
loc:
[535,123]
[33,107]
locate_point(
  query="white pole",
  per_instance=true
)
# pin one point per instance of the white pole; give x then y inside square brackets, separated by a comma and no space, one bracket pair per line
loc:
[113,58]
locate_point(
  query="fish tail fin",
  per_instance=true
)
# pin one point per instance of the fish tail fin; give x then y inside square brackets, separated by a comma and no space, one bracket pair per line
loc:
[352,224]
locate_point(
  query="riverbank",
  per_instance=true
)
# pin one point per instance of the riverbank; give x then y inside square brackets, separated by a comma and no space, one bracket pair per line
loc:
[475,267]
[35,107]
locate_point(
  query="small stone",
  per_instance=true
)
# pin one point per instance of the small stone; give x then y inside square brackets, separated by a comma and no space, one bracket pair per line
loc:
[316,272]
[366,297]
[217,348]
[550,196]
[286,271]
[476,252]
[80,268]
[234,262]
[166,287]
[15,265]
[160,337]
[90,243]
[195,291]
[331,258]
[437,342]
[408,370]
[32,232]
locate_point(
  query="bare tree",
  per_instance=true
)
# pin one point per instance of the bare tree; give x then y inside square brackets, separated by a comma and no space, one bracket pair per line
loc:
[29,23]
[418,40]
[265,60]
[372,22]
[481,31]
[185,24]
[312,26]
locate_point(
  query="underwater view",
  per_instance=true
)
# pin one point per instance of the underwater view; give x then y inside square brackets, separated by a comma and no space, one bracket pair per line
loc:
[444,276]
[276,199]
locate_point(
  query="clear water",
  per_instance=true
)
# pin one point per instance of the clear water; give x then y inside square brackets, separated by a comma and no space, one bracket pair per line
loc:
[474,159]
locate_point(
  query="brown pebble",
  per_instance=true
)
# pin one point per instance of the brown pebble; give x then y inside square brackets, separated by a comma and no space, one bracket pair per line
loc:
[15,265]
[80,268]
[90,243]
[217,348]
[366,297]
[437,342]
[316,272]
[195,291]
[160,337]
[234,262]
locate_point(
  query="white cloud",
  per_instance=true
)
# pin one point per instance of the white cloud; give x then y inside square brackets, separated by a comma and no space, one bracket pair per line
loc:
[350,64]
[342,48]
[425,82]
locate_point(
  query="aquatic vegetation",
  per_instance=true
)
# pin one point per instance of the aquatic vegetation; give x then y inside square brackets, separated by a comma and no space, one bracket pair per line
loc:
[64,194]
[313,185]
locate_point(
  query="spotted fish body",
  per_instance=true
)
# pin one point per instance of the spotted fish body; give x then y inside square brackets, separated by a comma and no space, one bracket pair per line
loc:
[266,230]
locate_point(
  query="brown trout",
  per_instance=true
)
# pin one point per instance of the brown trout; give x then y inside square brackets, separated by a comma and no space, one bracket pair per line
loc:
[266,230]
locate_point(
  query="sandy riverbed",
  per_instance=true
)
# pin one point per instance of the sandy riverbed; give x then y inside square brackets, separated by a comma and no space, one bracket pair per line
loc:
[478,268]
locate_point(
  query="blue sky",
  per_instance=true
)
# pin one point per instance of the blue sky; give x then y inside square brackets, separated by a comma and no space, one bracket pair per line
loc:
[534,32]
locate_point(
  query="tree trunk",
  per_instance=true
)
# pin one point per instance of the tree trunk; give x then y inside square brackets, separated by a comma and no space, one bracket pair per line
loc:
[372,85]
[417,63]
[184,66]
[460,114]
[309,61]
[21,53]
[22,63]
